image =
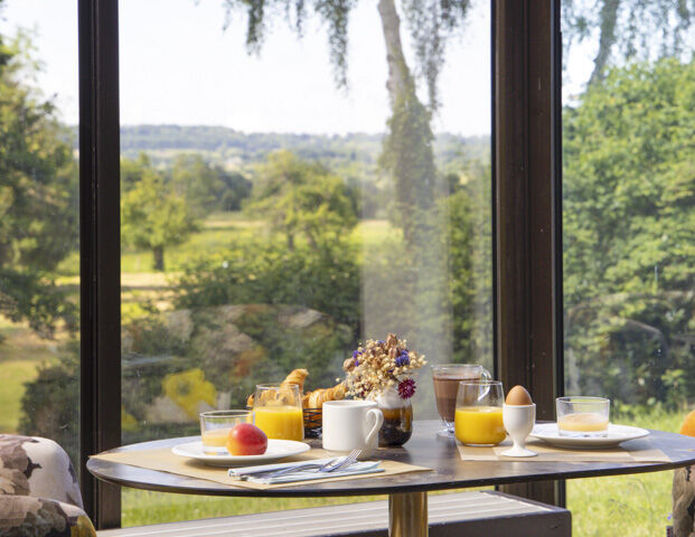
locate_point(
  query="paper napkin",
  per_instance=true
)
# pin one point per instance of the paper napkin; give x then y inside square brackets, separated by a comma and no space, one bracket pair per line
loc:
[249,473]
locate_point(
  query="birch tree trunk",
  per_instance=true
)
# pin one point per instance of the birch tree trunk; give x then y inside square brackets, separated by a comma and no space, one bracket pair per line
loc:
[399,80]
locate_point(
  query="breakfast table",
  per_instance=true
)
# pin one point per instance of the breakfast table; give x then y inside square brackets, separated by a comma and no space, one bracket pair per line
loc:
[438,463]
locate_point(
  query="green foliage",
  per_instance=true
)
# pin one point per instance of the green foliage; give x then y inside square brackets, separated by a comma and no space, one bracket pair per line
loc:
[629,230]
[326,279]
[50,405]
[38,198]
[207,187]
[627,29]
[469,235]
[153,215]
[303,199]
[431,23]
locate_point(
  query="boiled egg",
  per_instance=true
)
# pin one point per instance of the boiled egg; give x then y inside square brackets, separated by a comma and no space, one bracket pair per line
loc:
[518,396]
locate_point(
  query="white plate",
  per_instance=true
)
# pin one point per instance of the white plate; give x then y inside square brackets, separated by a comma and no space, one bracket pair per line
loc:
[615,434]
[277,449]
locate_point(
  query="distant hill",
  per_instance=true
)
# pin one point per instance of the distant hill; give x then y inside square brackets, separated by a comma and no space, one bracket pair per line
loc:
[237,149]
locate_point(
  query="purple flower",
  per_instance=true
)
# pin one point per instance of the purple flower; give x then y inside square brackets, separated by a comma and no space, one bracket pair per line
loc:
[402,359]
[406,388]
[356,353]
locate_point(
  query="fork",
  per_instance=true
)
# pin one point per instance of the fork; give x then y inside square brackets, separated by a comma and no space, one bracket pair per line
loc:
[347,461]
[330,466]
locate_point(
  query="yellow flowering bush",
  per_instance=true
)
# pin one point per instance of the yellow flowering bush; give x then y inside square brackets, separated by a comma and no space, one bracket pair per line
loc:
[188,388]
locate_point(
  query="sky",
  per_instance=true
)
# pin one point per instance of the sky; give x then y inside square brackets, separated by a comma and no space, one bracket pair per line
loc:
[179,66]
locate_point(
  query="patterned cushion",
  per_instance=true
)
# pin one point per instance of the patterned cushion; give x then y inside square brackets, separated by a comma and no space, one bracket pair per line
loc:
[27,516]
[39,492]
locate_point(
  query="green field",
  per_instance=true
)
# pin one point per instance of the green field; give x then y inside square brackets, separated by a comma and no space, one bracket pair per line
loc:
[21,354]
[635,505]
[145,507]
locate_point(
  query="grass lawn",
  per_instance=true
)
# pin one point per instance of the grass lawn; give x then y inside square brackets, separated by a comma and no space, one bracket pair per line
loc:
[21,353]
[219,232]
[145,507]
[636,505]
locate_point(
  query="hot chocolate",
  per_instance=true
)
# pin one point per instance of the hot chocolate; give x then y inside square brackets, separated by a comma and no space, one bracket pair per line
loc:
[445,389]
[446,380]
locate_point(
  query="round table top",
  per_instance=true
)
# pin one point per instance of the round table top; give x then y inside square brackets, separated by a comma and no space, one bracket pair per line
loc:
[425,448]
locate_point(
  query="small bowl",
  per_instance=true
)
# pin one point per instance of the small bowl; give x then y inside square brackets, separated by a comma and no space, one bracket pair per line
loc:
[215,426]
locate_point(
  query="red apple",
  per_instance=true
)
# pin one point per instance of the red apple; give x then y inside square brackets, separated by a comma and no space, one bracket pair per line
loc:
[246,439]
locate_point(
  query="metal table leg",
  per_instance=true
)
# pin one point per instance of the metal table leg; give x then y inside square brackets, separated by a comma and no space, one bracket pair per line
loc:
[408,515]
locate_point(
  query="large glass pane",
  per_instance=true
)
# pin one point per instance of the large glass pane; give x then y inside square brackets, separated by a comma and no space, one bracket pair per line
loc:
[39,261]
[629,247]
[281,207]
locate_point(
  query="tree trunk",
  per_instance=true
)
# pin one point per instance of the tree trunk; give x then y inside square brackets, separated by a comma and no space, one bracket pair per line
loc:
[399,80]
[609,17]
[407,149]
[158,252]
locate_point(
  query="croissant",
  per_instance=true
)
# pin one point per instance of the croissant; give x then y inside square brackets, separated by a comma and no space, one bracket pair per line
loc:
[297,376]
[316,398]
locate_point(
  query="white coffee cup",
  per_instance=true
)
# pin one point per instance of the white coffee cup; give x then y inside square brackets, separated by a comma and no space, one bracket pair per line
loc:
[349,425]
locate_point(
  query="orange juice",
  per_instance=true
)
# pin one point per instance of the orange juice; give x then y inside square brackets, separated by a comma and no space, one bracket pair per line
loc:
[479,425]
[283,422]
[583,421]
[215,440]
[216,437]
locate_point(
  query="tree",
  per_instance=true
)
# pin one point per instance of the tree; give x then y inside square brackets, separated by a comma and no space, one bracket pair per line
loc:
[407,156]
[632,27]
[197,182]
[303,199]
[153,216]
[236,189]
[38,198]
[629,227]
[407,151]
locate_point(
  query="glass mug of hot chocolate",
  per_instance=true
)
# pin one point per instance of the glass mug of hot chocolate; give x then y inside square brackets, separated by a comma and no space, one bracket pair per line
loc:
[446,378]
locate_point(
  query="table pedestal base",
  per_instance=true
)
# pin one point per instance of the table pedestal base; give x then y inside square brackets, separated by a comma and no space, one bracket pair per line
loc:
[408,515]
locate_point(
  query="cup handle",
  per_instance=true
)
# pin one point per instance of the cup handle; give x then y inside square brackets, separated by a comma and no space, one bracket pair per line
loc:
[484,376]
[370,439]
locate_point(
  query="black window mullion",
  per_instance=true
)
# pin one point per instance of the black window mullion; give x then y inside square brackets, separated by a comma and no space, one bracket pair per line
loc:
[528,301]
[100,328]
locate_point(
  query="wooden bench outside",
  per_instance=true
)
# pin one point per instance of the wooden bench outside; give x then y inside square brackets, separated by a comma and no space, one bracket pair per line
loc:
[469,514]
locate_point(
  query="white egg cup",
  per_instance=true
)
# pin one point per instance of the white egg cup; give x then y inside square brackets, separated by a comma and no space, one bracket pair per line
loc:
[518,421]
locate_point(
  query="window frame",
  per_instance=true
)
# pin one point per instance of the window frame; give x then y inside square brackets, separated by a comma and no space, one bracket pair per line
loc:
[100,257]
[526,212]
[527,192]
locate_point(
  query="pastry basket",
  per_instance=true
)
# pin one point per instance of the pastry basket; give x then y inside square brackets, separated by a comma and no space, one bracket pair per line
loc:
[312,422]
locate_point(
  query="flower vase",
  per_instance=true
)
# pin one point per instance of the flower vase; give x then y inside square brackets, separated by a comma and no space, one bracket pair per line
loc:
[398,418]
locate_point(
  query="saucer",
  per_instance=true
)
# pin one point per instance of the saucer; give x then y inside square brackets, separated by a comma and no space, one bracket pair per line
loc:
[614,435]
[277,449]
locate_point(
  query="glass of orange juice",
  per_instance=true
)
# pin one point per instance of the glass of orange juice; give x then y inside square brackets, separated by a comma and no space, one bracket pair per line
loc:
[277,410]
[215,426]
[478,417]
[581,414]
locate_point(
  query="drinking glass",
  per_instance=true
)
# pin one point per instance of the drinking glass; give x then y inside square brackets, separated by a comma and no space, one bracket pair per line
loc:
[277,410]
[215,426]
[446,378]
[478,420]
[584,415]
